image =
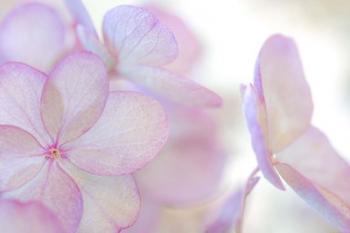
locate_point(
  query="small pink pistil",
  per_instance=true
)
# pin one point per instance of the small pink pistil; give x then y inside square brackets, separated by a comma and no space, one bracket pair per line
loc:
[54,153]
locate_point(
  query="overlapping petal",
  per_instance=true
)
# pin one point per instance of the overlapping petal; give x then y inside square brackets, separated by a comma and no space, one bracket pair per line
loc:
[17,217]
[135,36]
[324,201]
[19,163]
[110,203]
[254,111]
[130,132]
[80,15]
[314,157]
[280,81]
[190,49]
[34,34]
[74,96]
[53,187]
[20,89]
[170,86]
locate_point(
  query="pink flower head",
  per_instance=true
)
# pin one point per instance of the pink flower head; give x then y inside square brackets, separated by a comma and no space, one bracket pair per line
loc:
[17,217]
[136,47]
[64,138]
[278,109]
[34,34]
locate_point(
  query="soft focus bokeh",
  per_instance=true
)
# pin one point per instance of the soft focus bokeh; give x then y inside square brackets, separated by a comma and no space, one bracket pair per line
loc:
[231,33]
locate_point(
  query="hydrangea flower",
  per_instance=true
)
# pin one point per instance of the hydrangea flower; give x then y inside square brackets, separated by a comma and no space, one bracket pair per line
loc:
[67,141]
[136,48]
[17,217]
[34,34]
[278,109]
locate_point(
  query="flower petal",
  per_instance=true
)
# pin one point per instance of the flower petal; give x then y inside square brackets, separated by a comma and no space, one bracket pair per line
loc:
[130,132]
[256,121]
[20,89]
[110,203]
[179,175]
[54,188]
[315,158]
[17,217]
[20,157]
[280,82]
[230,214]
[33,34]
[74,96]
[190,49]
[135,36]
[171,87]
[326,203]
[80,15]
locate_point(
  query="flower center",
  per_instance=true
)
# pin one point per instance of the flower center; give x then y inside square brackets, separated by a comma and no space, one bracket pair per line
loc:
[54,153]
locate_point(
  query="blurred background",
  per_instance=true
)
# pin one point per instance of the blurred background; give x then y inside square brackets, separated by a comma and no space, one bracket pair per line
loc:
[231,33]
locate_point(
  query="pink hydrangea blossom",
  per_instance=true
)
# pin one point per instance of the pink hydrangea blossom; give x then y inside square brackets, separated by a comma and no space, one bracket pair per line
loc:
[137,46]
[67,141]
[17,217]
[278,109]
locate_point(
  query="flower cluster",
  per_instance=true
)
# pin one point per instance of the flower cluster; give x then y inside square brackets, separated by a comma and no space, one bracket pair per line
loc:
[104,134]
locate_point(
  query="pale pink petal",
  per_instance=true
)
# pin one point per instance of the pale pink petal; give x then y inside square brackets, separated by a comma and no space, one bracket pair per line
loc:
[281,83]
[131,131]
[229,216]
[135,36]
[20,157]
[34,34]
[20,90]
[179,175]
[322,200]
[170,86]
[110,202]
[17,217]
[74,96]
[256,120]
[190,49]
[54,188]
[315,158]
[147,219]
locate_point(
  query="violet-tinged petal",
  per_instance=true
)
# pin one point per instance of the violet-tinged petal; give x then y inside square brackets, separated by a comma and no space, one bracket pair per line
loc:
[20,157]
[33,34]
[170,86]
[315,158]
[80,15]
[230,215]
[54,188]
[135,36]
[111,203]
[179,175]
[322,200]
[190,49]
[280,81]
[130,132]
[74,96]
[256,120]
[20,89]
[17,217]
